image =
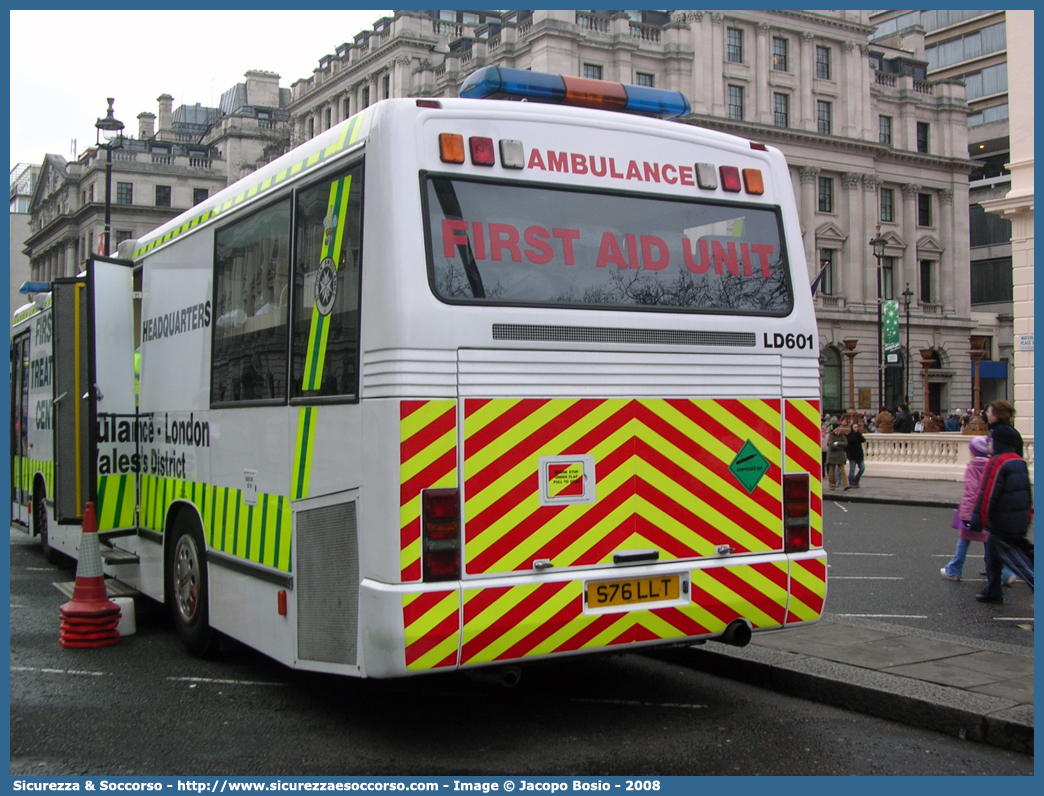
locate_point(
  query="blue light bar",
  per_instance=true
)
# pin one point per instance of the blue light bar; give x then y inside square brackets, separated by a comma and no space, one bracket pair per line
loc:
[35,287]
[495,82]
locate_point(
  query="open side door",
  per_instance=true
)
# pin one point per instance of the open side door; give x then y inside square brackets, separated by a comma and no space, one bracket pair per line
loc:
[95,440]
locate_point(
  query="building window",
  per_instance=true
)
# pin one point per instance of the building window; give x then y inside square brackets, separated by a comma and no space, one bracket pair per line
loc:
[311,126]
[826,195]
[347,108]
[922,137]
[735,102]
[924,209]
[781,110]
[823,110]
[90,193]
[832,380]
[122,235]
[366,97]
[734,45]
[991,281]
[643,79]
[329,118]
[822,62]
[987,229]
[162,196]
[884,130]
[887,274]
[779,55]
[200,195]
[592,71]
[926,282]
[315,252]
[124,193]
[251,269]
[888,204]
[386,87]
[826,268]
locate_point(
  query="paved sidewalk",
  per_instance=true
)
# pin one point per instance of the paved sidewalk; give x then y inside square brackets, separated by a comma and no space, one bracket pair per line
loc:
[979,690]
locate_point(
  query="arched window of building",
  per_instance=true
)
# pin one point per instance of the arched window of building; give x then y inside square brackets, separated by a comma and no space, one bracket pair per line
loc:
[833,397]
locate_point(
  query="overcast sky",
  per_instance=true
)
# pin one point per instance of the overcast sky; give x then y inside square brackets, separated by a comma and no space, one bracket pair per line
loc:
[59,91]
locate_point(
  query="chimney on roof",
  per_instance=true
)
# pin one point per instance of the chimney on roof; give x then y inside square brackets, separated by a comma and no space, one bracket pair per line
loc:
[262,89]
[166,105]
[146,126]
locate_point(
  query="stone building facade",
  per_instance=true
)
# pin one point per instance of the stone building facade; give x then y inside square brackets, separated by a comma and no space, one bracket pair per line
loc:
[178,158]
[872,140]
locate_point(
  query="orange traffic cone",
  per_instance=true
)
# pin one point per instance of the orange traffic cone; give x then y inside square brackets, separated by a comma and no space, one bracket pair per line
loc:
[89,619]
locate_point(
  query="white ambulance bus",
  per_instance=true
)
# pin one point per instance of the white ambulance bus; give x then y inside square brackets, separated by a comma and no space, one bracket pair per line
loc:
[459,382]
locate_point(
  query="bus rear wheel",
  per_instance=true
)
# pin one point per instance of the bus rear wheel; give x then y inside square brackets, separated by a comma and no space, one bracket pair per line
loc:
[187,587]
[40,527]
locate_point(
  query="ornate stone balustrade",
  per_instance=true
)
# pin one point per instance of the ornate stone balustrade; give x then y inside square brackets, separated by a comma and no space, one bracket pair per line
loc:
[924,456]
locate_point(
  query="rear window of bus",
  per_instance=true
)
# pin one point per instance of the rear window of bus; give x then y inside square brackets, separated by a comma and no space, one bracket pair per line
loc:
[512,244]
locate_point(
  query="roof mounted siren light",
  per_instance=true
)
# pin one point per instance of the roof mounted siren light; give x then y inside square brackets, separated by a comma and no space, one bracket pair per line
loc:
[496,82]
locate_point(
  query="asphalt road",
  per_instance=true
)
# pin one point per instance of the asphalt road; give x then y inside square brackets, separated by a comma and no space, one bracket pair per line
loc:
[884,563]
[145,706]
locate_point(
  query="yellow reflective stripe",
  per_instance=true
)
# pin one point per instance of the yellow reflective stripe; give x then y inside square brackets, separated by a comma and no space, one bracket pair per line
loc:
[813,583]
[319,329]
[115,501]
[302,473]
[448,606]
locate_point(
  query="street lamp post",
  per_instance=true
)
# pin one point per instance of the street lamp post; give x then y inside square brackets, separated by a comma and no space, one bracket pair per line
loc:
[110,124]
[878,243]
[907,297]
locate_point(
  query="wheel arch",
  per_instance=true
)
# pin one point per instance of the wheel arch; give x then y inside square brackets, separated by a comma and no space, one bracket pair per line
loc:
[175,511]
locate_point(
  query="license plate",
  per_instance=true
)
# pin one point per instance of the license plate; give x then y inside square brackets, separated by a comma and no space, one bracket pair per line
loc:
[612,593]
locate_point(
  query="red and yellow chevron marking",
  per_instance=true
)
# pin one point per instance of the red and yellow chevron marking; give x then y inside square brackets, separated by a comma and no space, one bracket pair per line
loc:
[662,471]
[427,459]
[807,589]
[431,621]
[803,449]
[504,623]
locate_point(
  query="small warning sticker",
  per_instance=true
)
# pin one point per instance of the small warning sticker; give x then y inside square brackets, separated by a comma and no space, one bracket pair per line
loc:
[565,480]
[749,466]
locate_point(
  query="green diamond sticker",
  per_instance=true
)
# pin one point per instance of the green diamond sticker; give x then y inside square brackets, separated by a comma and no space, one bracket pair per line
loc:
[749,466]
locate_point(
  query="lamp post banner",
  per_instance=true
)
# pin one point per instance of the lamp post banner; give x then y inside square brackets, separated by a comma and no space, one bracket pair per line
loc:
[890,321]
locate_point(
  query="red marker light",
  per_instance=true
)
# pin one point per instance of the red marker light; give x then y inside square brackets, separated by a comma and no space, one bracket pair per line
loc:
[482,152]
[730,179]
[759,147]
[428,103]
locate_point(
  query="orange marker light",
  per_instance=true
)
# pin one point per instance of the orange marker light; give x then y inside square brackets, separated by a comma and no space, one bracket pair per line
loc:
[451,148]
[594,93]
[753,181]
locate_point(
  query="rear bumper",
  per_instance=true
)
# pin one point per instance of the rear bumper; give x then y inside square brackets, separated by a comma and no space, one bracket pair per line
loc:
[416,627]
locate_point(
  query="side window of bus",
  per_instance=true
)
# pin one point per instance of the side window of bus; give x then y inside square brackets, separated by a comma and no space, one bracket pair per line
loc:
[251,270]
[327,257]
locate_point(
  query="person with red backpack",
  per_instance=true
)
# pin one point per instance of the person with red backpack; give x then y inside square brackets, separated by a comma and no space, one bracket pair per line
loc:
[1004,507]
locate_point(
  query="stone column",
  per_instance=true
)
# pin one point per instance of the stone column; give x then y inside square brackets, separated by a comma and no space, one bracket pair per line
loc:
[909,269]
[761,68]
[717,62]
[871,184]
[806,111]
[852,99]
[947,267]
[851,201]
[866,80]
[809,187]
[702,70]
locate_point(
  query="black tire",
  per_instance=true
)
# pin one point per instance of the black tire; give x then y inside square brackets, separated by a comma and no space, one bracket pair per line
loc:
[187,587]
[40,527]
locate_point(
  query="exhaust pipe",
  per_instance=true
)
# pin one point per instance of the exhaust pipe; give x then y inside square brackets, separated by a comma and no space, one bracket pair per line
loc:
[737,634]
[507,676]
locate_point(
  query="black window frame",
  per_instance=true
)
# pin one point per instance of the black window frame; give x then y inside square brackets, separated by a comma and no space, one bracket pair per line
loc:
[888,205]
[926,281]
[923,138]
[780,54]
[164,192]
[924,210]
[734,45]
[124,189]
[825,202]
[885,130]
[824,117]
[823,65]
[735,110]
[781,109]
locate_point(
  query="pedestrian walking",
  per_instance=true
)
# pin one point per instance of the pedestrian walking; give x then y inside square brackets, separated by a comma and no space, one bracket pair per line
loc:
[979,447]
[854,452]
[1004,507]
[837,443]
[1002,413]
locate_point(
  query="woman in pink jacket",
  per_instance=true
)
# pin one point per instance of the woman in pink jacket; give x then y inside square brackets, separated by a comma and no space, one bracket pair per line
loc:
[980,451]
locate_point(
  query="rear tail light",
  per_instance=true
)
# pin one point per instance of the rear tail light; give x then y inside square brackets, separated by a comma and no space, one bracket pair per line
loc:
[482,151]
[796,513]
[730,179]
[440,532]
[451,148]
[427,103]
